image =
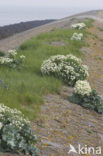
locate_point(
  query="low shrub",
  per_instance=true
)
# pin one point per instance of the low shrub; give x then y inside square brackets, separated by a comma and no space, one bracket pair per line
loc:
[16,136]
[11,59]
[87,97]
[77,36]
[78,26]
[68,68]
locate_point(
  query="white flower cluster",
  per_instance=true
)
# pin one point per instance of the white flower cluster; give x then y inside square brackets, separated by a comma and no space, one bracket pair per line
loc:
[12,52]
[49,66]
[22,57]
[11,58]
[72,57]
[55,63]
[15,117]
[5,60]
[82,88]
[78,26]
[77,36]
[68,67]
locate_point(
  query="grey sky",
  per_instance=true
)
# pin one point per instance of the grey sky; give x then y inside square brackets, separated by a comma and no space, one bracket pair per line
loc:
[55,3]
[14,11]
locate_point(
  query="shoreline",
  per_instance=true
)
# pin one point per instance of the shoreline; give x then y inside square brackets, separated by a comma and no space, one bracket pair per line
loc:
[11,29]
[26,22]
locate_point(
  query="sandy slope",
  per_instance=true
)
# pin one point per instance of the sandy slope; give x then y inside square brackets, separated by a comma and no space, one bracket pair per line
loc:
[14,41]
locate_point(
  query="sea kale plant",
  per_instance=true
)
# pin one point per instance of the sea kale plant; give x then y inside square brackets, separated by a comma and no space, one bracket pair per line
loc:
[11,59]
[69,68]
[77,36]
[87,97]
[16,135]
[78,26]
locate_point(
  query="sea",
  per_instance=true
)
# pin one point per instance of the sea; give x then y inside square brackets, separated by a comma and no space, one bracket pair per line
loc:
[11,15]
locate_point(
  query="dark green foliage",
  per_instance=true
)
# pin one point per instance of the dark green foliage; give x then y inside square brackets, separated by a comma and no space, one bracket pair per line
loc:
[92,102]
[16,135]
[14,140]
[2,53]
[9,30]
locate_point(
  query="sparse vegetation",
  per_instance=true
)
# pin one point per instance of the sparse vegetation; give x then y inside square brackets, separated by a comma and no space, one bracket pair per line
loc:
[73,19]
[89,22]
[101,40]
[100,29]
[98,58]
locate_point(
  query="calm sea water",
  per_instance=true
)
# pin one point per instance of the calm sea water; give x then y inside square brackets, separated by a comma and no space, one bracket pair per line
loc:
[11,15]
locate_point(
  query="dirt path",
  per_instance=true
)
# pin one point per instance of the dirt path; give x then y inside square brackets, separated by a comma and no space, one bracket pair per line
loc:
[14,41]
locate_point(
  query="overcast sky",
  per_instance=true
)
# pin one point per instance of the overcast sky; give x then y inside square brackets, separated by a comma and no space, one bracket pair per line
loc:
[14,11]
[52,3]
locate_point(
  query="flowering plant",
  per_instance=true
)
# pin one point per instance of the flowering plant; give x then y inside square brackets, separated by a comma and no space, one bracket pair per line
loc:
[78,26]
[5,60]
[12,52]
[86,97]
[11,59]
[15,132]
[82,88]
[77,36]
[69,68]
[22,57]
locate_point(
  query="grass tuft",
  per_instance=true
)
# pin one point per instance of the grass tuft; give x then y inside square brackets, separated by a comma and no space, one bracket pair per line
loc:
[90,22]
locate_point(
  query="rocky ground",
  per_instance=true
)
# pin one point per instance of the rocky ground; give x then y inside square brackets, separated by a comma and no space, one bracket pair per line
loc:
[62,123]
